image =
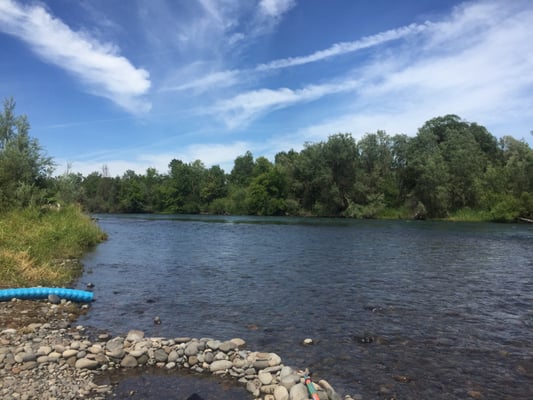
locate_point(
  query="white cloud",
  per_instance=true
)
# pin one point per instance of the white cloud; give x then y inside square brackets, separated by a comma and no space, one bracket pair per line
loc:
[222,154]
[342,48]
[98,65]
[484,78]
[244,107]
[231,77]
[275,8]
[218,79]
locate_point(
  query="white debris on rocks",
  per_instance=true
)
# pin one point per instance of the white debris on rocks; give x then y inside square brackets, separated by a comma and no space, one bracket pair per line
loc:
[44,361]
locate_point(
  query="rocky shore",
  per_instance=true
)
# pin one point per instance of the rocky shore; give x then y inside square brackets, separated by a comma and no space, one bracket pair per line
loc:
[44,355]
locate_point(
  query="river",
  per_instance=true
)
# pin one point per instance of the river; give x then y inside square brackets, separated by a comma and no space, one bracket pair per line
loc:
[397,309]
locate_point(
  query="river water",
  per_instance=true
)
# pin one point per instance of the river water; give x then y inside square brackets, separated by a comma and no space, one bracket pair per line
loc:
[397,309]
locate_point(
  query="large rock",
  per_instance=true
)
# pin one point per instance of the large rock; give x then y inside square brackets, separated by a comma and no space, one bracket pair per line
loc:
[227,346]
[213,344]
[220,365]
[86,363]
[134,335]
[129,361]
[288,381]
[265,377]
[280,393]
[115,344]
[191,349]
[298,392]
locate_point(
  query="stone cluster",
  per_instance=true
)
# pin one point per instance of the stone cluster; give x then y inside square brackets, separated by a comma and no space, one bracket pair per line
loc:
[42,361]
[263,374]
[58,362]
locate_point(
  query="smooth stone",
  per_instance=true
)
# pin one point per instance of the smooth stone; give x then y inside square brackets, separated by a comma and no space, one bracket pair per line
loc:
[44,350]
[265,378]
[170,365]
[59,348]
[274,360]
[116,353]
[281,393]
[298,392]
[332,395]
[180,340]
[238,341]
[115,344]
[134,335]
[129,361]
[54,299]
[261,364]
[286,371]
[240,363]
[172,356]
[160,355]
[191,349]
[75,345]
[138,352]
[209,357]
[86,363]
[29,357]
[268,389]
[227,346]
[70,353]
[220,365]
[96,349]
[213,344]
[253,387]
[288,381]
[42,359]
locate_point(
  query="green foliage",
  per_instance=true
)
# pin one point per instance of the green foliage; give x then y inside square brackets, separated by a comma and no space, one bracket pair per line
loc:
[23,166]
[451,169]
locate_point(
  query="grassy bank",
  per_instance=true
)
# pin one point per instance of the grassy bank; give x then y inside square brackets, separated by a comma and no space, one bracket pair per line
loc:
[42,246]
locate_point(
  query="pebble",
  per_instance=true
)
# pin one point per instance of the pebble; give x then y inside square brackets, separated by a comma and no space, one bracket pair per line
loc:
[55,361]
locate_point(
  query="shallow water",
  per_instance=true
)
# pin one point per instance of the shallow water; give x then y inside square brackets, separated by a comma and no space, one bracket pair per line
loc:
[397,309]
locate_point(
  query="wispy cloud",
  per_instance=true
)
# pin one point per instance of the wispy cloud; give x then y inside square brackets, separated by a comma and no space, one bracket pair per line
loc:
[275,8]
[231,77]
[476,63]
[219,79]
[343,48]
[97,65]
[242,108]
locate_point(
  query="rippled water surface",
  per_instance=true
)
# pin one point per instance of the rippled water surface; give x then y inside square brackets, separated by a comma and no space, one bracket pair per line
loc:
[406,310]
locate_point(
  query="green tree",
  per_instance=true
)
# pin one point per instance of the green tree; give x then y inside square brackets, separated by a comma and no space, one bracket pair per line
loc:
[24,168]
[243,169]
[214,186]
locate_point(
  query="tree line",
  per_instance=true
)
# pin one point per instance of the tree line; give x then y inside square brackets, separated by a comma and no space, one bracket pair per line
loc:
[451,167]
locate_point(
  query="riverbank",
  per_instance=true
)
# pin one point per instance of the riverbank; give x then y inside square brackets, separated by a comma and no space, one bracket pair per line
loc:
[42,246]
[43,354]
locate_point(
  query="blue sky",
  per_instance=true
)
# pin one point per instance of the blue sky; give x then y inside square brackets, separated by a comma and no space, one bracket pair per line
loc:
[134,84]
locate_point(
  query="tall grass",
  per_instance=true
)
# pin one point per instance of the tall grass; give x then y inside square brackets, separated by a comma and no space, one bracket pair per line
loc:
[42,246]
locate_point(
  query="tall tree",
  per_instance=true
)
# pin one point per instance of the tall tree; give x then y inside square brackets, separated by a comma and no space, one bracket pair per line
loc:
[24,168]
